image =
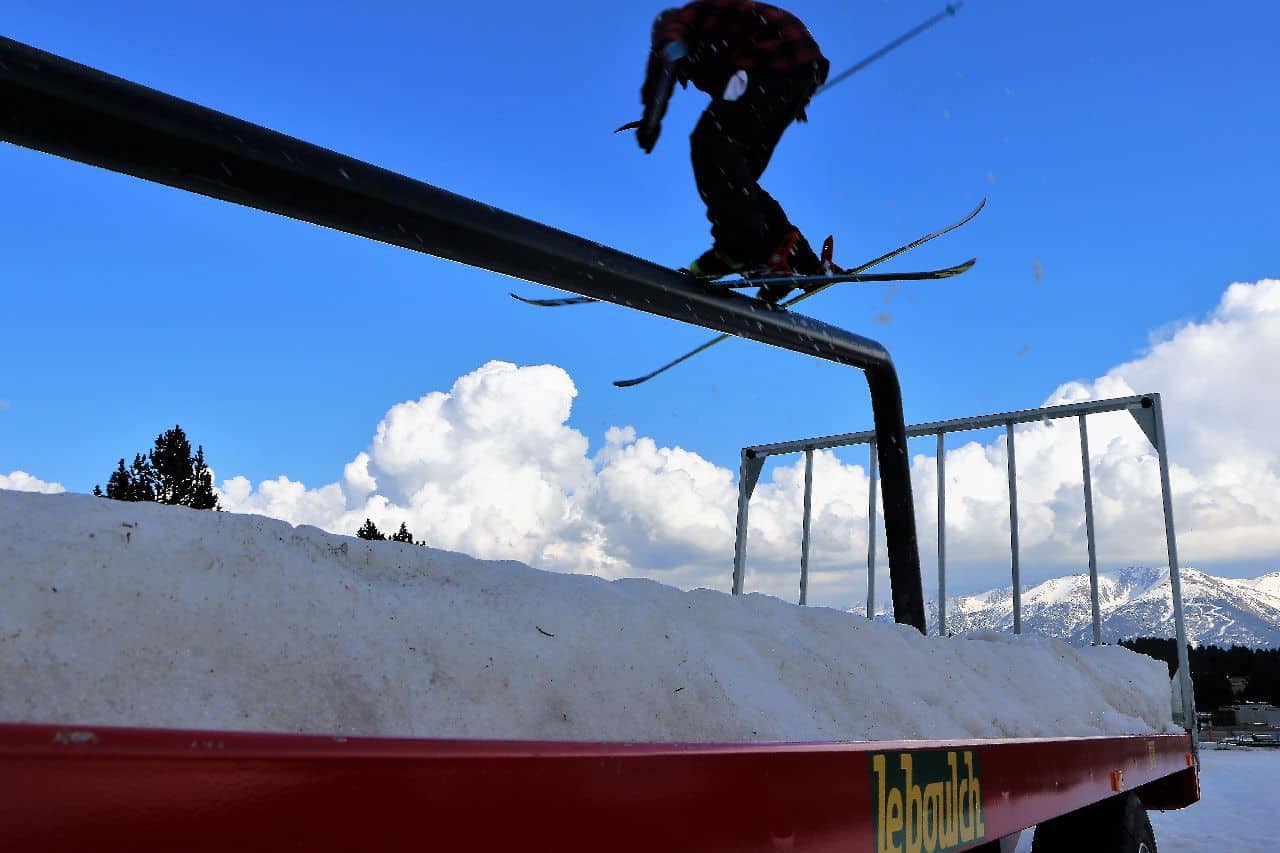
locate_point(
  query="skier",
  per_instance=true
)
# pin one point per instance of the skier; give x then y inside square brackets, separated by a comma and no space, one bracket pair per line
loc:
[761,66]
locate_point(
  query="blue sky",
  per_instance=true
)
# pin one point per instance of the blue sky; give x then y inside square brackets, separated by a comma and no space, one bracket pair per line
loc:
[1127,151]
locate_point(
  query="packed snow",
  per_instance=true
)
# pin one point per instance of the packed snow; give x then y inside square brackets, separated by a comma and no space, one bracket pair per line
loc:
[139,614]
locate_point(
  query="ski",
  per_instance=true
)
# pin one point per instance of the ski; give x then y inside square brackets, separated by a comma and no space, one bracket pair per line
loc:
[810,282]
[559,301]
[807,281]
[906,247]
[555,302]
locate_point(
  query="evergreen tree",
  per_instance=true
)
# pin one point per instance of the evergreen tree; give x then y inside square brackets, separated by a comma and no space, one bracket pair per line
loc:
[134,483]
[1213,666]
[169,474]
[202,496]
[181,478]
[370,531]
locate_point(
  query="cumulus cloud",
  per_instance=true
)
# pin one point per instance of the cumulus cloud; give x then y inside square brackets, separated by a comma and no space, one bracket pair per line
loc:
[1217,378]
[21,481]
[491,467]
[1214,377]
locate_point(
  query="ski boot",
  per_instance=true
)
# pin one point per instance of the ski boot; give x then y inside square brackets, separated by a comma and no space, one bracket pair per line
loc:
[713,264]
[795,257]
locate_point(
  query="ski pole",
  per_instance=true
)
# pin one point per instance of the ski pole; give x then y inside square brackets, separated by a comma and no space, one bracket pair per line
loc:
[902,39]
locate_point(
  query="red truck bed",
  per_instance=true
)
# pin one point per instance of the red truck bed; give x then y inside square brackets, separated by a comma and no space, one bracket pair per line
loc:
[111,788]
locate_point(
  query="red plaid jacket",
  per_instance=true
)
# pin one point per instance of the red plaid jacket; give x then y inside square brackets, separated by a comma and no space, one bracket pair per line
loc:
[725,36]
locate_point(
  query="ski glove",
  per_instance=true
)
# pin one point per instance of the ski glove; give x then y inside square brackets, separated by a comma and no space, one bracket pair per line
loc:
[647,134]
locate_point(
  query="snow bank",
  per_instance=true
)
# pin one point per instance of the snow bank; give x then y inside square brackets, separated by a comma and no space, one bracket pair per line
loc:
[138,614]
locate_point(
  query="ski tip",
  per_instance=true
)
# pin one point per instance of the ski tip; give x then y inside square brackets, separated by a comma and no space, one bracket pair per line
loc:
[952,272]
[628,383]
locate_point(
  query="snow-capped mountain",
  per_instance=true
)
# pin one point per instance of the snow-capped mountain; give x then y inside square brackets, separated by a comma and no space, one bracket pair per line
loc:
[1134,602]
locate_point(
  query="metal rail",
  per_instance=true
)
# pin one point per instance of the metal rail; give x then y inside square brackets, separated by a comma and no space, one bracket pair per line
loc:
[60,107]
[1145,409]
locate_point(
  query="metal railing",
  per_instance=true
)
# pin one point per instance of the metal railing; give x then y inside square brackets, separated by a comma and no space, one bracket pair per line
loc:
[1144,408]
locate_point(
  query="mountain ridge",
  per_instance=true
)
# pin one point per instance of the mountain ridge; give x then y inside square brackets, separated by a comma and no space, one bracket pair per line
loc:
[1134,601]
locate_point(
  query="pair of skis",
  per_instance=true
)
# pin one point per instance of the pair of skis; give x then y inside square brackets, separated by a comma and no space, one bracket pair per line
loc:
[813,285]
[805,281]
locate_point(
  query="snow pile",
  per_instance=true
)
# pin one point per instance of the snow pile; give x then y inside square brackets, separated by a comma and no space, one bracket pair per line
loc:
[138,614]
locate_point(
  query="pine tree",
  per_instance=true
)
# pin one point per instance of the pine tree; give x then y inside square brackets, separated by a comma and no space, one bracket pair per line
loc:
[202,496]
[134,483]
[403,534]
[1212,666]
[370,531]
[181,479]
[169,474]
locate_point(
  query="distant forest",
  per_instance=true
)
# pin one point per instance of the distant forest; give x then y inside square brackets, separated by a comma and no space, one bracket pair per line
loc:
[1213,666]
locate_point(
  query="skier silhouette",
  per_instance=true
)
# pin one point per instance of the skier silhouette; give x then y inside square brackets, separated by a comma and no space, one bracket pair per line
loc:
[761,66]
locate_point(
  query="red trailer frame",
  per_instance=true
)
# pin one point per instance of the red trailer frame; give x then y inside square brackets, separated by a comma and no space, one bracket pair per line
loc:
[135,789]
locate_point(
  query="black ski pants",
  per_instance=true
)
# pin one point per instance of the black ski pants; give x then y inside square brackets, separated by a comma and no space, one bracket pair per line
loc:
[731,147]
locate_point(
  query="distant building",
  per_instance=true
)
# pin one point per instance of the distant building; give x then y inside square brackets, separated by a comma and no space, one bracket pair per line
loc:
[1239,684]
[1253,714]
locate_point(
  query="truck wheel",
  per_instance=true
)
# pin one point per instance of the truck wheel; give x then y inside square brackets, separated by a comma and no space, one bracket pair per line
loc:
[1115,825]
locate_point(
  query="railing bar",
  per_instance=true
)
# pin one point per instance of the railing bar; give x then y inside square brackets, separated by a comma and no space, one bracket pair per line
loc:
[1013,530]
[871,533]
[1175,580]
[942,535]
[1023,416]
[808,516]
[740,540]
[1088,526]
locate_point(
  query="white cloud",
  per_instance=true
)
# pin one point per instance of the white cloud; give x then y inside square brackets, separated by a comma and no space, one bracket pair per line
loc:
[492,468]
[1215,379]
[21,481]
[489,467]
